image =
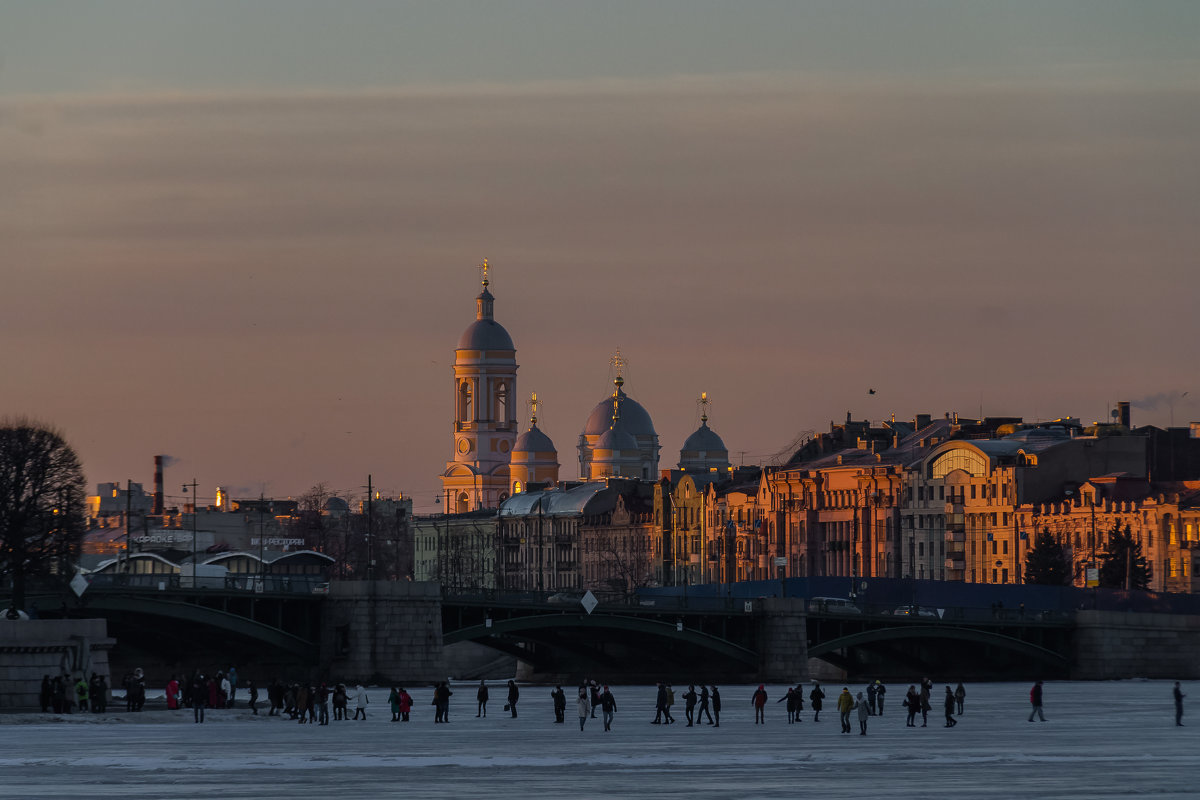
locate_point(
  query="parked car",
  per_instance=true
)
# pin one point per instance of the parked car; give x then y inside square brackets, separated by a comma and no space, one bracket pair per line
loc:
[833,605]
[914,611]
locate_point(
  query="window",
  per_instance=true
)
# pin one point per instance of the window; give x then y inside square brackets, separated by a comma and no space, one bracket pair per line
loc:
[972,491]
[1005,549]
[969,461]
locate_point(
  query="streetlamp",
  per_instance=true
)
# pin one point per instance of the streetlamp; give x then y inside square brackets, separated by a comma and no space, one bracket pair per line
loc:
[195,510]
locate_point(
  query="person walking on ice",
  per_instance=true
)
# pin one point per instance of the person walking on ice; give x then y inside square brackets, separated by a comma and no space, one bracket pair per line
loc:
[759,701]
[951,702]
[864,711]
[1035,699]
[584,704]
[845,704]
[1178,695]
[815,697]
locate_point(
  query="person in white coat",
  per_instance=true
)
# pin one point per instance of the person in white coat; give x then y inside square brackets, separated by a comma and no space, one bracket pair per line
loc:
[584,704]
[360,702]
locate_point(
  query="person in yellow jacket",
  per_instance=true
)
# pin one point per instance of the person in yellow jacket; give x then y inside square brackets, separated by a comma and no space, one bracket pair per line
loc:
[845,704]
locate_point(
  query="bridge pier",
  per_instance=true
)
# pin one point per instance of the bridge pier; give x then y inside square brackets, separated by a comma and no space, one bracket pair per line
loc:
[30,649]
[383,631]
[1109,645]
[783,640]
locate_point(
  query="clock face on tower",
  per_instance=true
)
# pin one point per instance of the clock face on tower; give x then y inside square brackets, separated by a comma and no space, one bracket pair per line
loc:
[464,446]
[503,446]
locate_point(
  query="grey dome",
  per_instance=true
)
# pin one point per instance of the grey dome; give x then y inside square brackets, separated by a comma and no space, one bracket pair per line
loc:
[635,420]
[616,439]
[485,334]
[533,441]
[336,504]
[704,440]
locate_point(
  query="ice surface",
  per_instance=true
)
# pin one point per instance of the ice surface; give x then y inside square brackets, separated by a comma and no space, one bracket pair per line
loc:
[1101,740]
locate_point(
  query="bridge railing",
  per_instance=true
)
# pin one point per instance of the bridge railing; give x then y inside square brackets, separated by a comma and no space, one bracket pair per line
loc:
[250,584]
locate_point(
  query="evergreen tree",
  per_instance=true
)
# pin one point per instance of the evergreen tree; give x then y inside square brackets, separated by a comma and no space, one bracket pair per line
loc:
[1046,563]
[1123,559]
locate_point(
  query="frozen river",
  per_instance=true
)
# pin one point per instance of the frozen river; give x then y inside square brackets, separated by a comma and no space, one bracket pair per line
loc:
[1100,740]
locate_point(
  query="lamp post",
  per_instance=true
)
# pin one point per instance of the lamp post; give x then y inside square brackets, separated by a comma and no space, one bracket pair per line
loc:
[195,511]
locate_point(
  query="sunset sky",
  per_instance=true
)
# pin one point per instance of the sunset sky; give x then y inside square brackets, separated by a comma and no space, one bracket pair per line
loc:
[245,234]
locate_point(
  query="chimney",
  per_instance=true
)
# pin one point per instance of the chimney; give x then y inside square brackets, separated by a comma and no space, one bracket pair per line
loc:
[1123,413]
[158,486]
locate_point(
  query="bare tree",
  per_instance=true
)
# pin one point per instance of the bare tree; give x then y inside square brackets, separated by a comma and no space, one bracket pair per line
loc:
[41,503]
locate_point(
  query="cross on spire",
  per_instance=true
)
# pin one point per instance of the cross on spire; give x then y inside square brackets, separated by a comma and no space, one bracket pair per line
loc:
[703,403]
[533,404]
[483,271]
[618,364]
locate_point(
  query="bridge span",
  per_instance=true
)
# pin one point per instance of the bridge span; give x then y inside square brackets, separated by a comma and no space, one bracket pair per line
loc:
[399,631]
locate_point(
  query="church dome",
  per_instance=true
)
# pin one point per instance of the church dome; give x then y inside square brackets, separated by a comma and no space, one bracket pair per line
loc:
[634,418]
[616,439]
[704,440]
[533,441]
[485,334]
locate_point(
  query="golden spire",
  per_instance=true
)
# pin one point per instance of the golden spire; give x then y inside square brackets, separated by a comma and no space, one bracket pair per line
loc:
[618,363]
[483,270]
[533,404]
[703,402]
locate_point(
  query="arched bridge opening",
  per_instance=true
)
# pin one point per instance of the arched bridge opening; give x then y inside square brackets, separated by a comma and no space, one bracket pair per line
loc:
[943,650]
[632,646]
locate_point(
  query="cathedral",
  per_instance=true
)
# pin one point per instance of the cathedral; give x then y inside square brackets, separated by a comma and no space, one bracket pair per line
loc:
[491,462]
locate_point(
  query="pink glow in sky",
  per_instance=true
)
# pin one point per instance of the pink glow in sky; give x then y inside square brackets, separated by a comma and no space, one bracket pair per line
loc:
[268,285]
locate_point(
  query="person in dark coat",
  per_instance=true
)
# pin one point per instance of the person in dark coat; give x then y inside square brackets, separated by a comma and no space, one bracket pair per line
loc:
[99,693]
[716,707]
[560,704]
[759,701]
[960,696]
[926,707]
[1178,694]
[912,704]
[1035,699]
[46,695]
[689,704]
[660,704]
[790,699]
[197,692]
[871,698]
[703,711]
[815,697]
[253,697]
[481,698]
[608,707]
[594,694]
[513,695]
[951,703]
[880,692]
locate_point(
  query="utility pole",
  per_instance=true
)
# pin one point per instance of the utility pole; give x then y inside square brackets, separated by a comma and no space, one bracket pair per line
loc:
[195,511]
[128,518]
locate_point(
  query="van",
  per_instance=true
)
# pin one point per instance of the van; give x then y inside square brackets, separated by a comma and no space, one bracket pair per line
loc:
[833,605]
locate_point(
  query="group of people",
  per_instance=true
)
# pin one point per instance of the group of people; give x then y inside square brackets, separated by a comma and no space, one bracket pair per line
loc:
[591,696]
[62,695]
[919,701]
[697,705]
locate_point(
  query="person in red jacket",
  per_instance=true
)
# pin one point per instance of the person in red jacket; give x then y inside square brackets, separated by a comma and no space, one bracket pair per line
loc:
[173,693]
[759,701]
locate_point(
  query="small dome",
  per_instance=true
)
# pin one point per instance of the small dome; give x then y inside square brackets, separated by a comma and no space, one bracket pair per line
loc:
[616,439]
[533,441]
[485,334]
[635,420]
[336,504]
[704,440]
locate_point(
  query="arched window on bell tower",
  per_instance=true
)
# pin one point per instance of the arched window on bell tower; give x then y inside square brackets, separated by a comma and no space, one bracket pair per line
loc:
[464,402]
[502,403]
[463,504]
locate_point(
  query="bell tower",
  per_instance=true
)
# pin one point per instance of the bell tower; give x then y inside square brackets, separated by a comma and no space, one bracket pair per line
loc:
[485,422]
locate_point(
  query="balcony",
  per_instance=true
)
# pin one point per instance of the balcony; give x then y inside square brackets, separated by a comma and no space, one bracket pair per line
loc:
[956,536]
[956,561]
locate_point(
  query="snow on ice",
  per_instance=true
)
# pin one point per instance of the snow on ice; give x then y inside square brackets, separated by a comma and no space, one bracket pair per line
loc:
[1100,740]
